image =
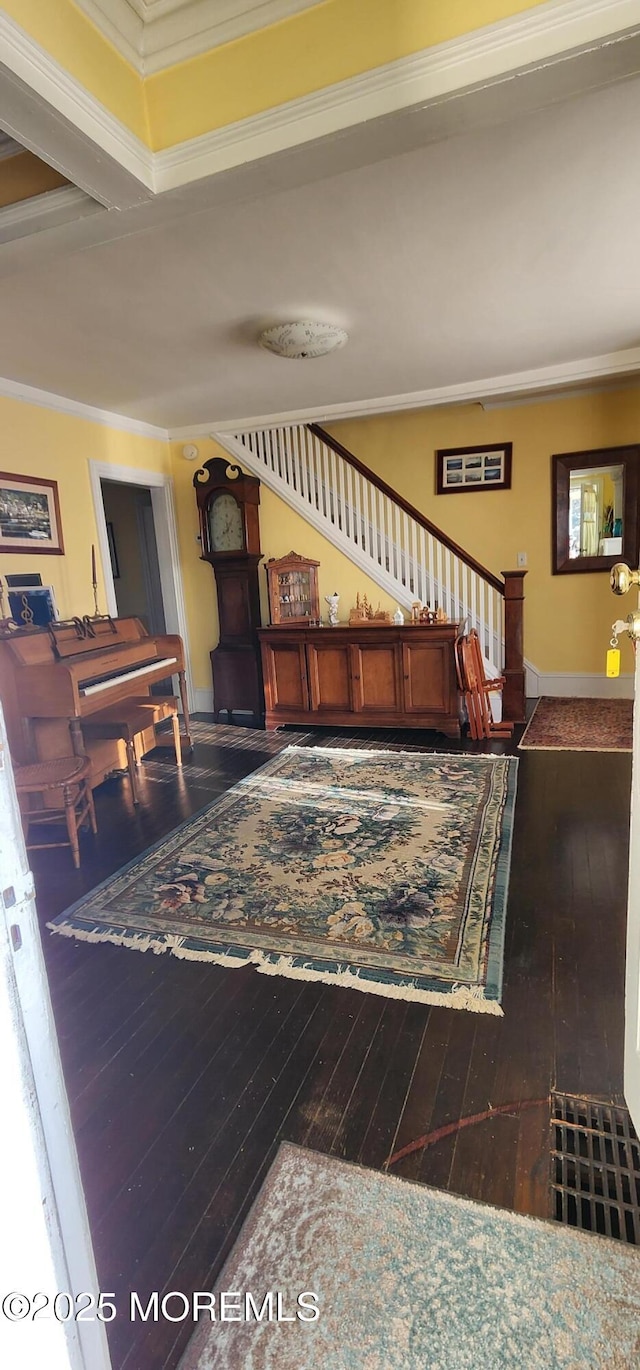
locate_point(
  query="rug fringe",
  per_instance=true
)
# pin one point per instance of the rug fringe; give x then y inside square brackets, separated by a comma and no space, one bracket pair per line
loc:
[460,996]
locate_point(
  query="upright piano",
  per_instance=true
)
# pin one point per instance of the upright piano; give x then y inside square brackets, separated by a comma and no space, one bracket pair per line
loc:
[51,678]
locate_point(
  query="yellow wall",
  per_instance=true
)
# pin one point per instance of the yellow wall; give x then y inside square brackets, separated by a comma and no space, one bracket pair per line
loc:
[25,175]
[332,41]
[69,37]
[39,442]
[567,618]
[281,531]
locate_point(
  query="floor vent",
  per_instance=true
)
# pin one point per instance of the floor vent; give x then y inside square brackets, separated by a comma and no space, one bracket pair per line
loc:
[595,1168]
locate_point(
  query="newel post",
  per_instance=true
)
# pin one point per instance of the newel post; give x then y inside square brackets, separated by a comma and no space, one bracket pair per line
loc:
[513,695]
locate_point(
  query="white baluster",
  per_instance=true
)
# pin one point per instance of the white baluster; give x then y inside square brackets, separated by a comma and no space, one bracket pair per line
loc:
[288,458]
[329,495]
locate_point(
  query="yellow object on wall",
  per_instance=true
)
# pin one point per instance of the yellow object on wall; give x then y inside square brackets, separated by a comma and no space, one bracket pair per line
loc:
[568,617]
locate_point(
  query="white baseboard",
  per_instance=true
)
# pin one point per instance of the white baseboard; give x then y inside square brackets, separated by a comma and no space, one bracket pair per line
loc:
[579,685]
[203,701]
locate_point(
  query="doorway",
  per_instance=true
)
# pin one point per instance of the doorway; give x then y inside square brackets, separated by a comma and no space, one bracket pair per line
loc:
[169,603]
[133,553]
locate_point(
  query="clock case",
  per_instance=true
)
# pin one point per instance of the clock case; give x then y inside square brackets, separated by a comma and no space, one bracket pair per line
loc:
[235,662]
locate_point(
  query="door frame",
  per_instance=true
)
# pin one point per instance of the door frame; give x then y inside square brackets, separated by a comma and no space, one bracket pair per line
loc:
[164,518]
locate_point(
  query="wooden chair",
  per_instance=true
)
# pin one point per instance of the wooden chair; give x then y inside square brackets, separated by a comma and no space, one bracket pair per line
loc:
[70,774]
[476,687]
[127,720]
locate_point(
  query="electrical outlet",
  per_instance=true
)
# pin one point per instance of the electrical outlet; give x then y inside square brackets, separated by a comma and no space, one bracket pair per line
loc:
[521,559]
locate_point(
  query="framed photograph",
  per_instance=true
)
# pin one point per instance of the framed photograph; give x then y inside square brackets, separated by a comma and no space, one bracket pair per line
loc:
[113,552]
[29,515]
[473,468]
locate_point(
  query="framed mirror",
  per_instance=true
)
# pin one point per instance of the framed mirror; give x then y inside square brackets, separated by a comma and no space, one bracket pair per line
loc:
[595,509]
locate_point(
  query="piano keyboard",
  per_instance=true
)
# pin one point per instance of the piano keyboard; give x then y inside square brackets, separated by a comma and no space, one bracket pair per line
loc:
[110,681]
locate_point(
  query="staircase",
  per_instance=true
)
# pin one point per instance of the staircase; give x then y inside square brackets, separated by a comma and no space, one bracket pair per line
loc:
[394,543]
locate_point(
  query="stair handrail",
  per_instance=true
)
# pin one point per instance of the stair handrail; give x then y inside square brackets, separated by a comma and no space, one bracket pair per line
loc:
[410,509]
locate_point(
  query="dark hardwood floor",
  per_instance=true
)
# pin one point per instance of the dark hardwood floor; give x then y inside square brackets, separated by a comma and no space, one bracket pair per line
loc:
[184,1077]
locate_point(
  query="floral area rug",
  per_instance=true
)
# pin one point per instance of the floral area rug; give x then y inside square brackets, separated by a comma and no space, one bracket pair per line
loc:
[580,725]
[409,1278]
[384,871]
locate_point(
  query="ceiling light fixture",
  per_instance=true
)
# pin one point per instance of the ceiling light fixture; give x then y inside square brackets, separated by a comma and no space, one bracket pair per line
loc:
[303,339]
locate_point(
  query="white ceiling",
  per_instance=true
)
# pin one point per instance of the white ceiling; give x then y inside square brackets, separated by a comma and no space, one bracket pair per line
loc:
[491,253]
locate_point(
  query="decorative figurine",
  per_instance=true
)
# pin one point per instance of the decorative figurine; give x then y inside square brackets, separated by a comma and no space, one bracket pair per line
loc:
[332,601]
[363,614]
[441,615]
[416,610]
[398,617]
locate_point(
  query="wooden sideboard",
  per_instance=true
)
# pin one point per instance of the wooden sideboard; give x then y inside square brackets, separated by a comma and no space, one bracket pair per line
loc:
[386,677]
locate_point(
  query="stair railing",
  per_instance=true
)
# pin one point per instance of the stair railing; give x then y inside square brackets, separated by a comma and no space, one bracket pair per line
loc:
[395,543]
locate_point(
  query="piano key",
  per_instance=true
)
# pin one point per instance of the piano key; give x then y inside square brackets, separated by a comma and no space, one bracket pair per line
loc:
[109,683]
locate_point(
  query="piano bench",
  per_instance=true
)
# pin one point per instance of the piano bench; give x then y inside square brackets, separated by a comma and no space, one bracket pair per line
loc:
[126,720]
[71,775]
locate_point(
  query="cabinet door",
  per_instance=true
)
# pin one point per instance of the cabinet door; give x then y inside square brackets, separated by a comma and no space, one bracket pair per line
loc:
[428,684]
[330,677]
[285,676]
[375,671]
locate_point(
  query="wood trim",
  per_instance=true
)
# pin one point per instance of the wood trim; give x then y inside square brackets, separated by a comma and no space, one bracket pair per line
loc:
[442,452]
[52,487]
[409,509]
[562,464]
[514,691]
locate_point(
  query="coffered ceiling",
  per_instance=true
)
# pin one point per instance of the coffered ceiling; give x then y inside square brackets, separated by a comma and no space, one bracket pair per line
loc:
[154,34]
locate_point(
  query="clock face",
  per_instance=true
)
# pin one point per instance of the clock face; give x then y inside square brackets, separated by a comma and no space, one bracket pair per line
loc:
[226,531]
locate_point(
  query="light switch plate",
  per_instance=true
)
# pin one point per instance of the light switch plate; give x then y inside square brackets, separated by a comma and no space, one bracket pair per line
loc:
[521,559]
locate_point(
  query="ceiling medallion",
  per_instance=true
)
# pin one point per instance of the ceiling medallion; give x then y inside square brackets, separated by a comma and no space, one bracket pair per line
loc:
[303,339]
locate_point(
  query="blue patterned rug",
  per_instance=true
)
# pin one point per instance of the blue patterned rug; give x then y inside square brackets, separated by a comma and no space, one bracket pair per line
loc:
[410,1278]
[383,871]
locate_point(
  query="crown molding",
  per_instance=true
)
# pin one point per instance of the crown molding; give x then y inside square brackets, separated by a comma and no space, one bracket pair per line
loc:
[153,35]
[534,383]
[9,147]
[538,38]
[157,35]
[60,404]
[120,23]
[523,387]
[531,41]
[45,211]
[40,73]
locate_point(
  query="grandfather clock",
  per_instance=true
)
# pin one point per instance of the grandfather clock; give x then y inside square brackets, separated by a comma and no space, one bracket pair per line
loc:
[230,538]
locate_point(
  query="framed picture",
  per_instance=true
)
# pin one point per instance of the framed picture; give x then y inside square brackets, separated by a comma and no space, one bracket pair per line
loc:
[473,468]
[33,606]
[29,515]
[113,552]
